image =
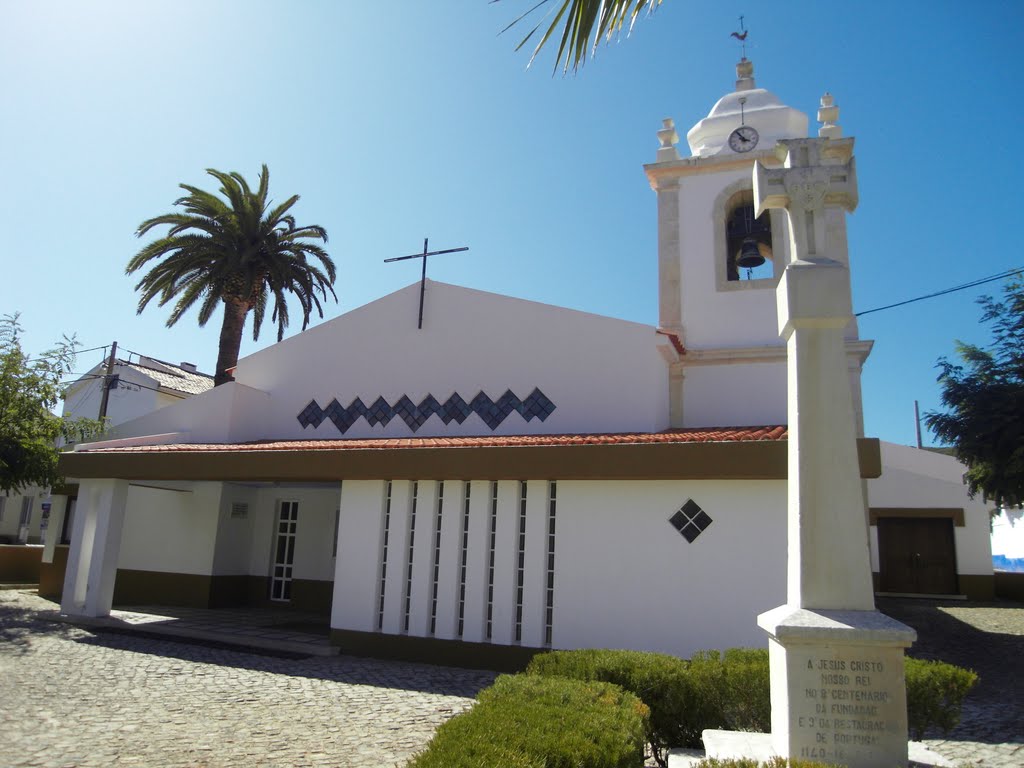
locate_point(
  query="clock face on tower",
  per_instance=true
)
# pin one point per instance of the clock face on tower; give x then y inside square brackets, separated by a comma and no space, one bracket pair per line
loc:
[743,139]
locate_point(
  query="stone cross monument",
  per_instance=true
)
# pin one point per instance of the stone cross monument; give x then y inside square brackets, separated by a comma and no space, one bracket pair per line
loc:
[837,686]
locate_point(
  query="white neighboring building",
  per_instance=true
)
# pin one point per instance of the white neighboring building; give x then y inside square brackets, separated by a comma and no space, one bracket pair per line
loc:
[515,475]
[139,385]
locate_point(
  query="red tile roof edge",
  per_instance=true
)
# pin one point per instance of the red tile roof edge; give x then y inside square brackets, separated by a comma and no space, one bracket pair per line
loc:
[677,343]
[690,435]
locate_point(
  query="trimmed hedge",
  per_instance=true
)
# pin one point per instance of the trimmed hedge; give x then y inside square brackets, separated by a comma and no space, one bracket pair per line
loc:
[736,688]
[732,691]
[533,722]
[658,679]
[935,694]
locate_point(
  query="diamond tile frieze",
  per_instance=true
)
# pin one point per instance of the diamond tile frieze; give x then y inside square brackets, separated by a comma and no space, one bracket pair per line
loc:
[690,520]
[536,405]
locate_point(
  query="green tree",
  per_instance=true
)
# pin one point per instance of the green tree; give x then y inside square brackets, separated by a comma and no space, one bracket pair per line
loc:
[985,400]
[580,25]
[29,391]
[238,251]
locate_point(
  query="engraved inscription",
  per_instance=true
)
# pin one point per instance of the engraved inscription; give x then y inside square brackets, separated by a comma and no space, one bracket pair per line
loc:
[845,709]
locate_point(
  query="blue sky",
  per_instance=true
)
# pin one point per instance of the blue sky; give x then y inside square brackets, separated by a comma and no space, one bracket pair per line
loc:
[407,119]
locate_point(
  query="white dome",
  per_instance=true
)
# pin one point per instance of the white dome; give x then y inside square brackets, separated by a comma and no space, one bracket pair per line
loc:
[760,108]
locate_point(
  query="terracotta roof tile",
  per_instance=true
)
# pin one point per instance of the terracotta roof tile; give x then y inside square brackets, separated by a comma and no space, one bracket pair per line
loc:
[698,435]
[677,343]
[178,378]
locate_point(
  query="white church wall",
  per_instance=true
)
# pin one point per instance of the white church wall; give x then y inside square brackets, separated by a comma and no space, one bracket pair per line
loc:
[314,541]
[740,394]
[477,583]
[314,532]
[626,579]
[228,413]
[234,531]
[262,524]
[713,318]
[623,576]
[915,478]
[602,374]
[170,531]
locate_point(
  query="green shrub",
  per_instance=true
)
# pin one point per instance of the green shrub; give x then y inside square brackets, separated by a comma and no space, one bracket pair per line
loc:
[935,694]
[661,681]
[535,722]
[734,688]
[748,699]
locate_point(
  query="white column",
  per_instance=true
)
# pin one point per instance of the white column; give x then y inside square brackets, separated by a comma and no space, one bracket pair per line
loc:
[423,558]
[475,607]
[95,545]
[503,603]
[829,564]
[56,525]
[397,555]
[837,687]
[451,560]
[535,571]
[357,566]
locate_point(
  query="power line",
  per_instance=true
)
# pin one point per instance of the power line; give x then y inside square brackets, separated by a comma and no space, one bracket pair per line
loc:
[75,352]
[972,284]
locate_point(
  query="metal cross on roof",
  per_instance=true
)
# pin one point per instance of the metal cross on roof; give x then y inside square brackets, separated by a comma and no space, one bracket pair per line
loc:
[423,276]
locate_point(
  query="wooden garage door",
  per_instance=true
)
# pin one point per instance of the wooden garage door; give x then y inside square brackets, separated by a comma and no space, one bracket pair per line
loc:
[917,555]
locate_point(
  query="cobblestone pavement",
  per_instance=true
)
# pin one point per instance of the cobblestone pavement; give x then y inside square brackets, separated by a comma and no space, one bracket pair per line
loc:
[71,697]
[985,637]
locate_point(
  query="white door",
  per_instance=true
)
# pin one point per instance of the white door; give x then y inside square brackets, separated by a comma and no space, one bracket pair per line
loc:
[284,551]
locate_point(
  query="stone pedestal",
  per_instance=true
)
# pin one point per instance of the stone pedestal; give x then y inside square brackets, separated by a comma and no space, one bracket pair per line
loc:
[837,685]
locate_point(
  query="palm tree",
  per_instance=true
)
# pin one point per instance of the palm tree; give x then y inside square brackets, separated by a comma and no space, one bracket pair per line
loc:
[239,251]
[579,21]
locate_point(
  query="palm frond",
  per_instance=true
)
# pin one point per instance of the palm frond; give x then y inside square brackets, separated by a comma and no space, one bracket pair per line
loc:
[580,25]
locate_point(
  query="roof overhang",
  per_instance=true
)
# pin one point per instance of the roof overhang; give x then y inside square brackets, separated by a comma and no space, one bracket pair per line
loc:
[739,460]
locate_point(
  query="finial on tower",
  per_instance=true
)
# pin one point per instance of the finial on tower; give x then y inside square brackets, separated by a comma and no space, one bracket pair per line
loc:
[745,68]
[668,137]
[828,116]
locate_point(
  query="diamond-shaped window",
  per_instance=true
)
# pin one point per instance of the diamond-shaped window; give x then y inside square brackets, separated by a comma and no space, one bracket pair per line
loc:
[690,520]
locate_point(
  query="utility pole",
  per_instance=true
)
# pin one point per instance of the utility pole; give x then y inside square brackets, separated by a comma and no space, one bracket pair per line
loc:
[105,396]
[917,422]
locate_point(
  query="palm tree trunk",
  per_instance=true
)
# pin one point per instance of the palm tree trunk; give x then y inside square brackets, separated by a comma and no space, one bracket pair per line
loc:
[230,339]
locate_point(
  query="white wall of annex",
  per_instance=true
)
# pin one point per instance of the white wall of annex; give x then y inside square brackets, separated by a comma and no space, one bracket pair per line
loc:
[170,531]
[133,396]
[314,534]
[742,394]
[234,534]
[602,374]
[229,413]
[916,478]
[12,505]
[624,578]
[713,318]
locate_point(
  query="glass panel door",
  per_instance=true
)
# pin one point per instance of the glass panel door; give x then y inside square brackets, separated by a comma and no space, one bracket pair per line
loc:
[284,551]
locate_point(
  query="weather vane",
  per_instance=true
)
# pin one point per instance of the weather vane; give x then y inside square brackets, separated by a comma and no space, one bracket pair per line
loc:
[742,37]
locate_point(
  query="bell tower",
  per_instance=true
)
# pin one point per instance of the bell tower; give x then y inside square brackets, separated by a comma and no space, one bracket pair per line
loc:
[719,263]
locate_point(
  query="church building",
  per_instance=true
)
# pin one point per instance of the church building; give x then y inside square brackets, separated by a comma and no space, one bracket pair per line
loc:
[516,476]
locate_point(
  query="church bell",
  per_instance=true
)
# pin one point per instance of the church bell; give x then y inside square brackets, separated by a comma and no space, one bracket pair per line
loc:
[751,254]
